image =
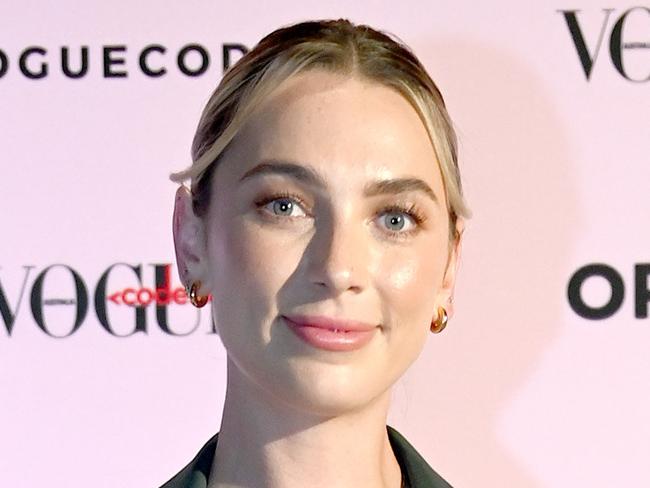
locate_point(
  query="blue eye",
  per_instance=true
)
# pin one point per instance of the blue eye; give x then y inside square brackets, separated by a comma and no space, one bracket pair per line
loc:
[282,205]
[399,221]
[394,219]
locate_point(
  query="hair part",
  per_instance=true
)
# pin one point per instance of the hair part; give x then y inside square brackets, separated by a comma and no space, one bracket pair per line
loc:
[338,46]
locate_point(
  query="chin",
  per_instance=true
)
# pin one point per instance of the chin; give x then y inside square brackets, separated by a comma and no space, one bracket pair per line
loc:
[327,390]
[324,405]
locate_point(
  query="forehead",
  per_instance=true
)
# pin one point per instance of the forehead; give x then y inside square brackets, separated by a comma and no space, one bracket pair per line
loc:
[344,127]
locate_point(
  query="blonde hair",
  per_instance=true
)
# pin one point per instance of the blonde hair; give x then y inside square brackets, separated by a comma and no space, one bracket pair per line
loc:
[338,46]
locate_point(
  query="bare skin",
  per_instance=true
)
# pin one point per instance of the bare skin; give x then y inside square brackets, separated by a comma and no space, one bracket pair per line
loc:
[296,415]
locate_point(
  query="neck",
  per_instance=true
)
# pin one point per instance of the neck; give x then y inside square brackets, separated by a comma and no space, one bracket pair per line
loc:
[264,442]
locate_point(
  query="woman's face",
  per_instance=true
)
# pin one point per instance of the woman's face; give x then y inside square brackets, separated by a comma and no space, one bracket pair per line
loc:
[345,219]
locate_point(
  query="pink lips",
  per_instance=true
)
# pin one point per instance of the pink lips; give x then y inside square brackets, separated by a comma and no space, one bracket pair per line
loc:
[329,333]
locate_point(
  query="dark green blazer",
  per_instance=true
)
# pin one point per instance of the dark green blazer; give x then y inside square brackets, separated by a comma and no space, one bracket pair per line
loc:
[415,470]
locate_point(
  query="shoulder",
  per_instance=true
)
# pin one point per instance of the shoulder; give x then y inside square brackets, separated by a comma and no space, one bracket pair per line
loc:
[417,471]
[196,473]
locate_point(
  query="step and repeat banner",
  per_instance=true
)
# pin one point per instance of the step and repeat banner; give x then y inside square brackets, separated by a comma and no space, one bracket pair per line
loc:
[109,377]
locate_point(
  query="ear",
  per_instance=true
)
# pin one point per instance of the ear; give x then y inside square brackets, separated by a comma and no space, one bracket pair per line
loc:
[449,280]
[189,242]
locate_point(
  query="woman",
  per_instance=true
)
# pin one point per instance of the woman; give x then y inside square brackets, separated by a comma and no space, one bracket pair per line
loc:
[325,220]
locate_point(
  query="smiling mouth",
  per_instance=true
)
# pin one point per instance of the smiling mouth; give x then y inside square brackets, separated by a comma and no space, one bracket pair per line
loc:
[323,334]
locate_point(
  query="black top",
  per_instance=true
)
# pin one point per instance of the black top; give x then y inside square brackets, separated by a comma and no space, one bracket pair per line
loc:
[416,473]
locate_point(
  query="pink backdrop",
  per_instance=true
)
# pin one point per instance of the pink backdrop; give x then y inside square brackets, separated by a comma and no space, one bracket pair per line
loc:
[519,391]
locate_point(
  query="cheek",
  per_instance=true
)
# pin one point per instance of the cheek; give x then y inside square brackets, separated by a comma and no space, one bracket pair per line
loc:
[265,259]
[410,275]
[248,267]
[409,279]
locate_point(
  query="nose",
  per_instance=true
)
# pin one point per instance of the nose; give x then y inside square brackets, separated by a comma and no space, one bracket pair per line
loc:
[338,253]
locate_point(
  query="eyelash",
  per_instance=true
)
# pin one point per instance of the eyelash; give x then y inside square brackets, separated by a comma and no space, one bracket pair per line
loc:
[409,209]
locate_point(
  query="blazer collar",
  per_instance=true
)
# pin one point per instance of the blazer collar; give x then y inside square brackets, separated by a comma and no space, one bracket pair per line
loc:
[416,471]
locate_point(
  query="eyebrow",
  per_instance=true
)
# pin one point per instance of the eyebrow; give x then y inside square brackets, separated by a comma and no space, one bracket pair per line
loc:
[309,176]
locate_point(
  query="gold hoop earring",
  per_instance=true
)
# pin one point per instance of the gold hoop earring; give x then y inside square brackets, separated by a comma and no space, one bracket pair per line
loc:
[440,323]
[197,300]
